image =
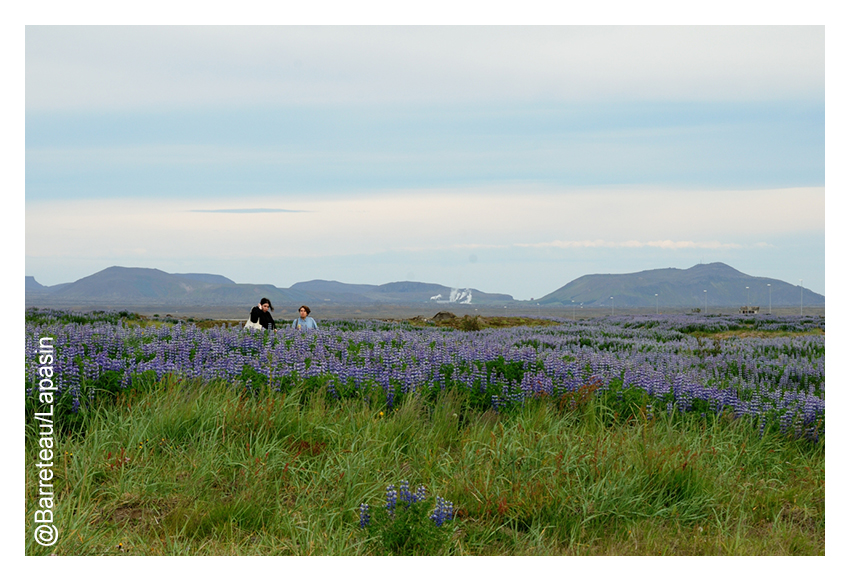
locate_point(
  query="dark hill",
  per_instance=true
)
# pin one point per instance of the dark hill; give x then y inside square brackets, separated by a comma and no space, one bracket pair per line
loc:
[207,278]
[336,292]
[402,292]
[322,286]
[126,286]
[422,292]
[123,287]
[32,285]
[714,284]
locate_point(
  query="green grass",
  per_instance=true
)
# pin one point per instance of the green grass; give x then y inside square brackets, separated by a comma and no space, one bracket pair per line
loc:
[191,469]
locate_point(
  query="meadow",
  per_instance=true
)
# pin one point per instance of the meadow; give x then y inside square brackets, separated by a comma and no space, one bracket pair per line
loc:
[684,435]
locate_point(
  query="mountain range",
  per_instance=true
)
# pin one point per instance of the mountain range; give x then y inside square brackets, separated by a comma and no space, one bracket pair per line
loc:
[140,287]
[713,284]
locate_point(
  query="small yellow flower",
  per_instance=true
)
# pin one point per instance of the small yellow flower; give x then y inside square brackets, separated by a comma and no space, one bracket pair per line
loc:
[381,413]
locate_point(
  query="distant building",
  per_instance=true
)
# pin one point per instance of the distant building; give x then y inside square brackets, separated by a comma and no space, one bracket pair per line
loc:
[749,310]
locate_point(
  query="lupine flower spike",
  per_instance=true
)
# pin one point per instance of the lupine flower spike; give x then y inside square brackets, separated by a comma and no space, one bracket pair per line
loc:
[364,515]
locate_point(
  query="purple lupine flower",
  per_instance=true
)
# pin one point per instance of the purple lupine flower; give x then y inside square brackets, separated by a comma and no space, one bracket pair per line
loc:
[777,380]
[444,511]
[404,493]
[364,515]
[392,499]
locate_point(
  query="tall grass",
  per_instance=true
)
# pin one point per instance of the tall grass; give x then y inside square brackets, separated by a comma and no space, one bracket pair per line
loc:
[209,469]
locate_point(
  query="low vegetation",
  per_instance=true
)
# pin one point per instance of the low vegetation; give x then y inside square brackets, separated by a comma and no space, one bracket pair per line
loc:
[185,468]
[634,435]
[476,322]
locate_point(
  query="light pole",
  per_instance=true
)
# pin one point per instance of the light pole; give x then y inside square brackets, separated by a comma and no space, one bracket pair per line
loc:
[656,304]
[769,302]
[705,296]
[801,297]
[748,296]
[574,308]
[612,304]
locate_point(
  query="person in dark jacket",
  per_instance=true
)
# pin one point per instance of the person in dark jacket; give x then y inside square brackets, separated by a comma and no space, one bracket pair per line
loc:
[261,314]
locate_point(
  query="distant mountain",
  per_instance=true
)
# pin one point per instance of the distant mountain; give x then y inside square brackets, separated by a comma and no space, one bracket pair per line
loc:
[399,292]
[139,287]
[322,286]
[134,287]
[336,292]
[32,285]
[714,284]
[432,293]
[206,278]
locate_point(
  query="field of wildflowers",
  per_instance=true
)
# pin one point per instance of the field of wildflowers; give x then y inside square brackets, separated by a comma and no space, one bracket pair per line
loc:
[638,364]
[634,435]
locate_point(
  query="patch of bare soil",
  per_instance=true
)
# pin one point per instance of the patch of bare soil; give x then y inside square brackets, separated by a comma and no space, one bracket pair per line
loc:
[136,515]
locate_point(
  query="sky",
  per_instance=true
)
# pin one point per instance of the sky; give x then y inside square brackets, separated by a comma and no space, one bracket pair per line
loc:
[510,159]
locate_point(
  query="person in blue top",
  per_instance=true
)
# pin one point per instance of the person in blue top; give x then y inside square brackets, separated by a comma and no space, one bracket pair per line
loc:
[304,320]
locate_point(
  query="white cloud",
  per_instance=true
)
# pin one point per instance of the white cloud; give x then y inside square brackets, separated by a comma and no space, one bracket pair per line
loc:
[661,244]
[128,67]
[433,220]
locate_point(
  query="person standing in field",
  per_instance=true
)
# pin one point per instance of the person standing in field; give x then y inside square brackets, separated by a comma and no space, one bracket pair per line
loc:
[260,315]
[304,321]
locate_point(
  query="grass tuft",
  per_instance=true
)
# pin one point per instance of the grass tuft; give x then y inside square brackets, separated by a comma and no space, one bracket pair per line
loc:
[187,468]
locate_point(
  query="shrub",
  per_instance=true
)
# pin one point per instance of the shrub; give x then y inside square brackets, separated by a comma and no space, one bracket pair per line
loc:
[405,527]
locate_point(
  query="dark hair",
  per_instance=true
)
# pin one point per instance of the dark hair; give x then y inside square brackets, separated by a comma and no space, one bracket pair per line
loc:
[305,308]
[264,300]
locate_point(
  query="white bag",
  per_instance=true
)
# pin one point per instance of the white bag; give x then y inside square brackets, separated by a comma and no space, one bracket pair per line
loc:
[251,325]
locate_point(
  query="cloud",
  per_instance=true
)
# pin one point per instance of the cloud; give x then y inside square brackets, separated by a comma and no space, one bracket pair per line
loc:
[247,210]
[357,149]
[662,244]
[141,67]
[519,216]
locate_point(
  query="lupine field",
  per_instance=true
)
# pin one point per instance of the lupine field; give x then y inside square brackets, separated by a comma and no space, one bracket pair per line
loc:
[777,381]
[628,435]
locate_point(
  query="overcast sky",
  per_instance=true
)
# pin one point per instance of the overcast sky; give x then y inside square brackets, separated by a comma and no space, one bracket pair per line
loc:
[508,159]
